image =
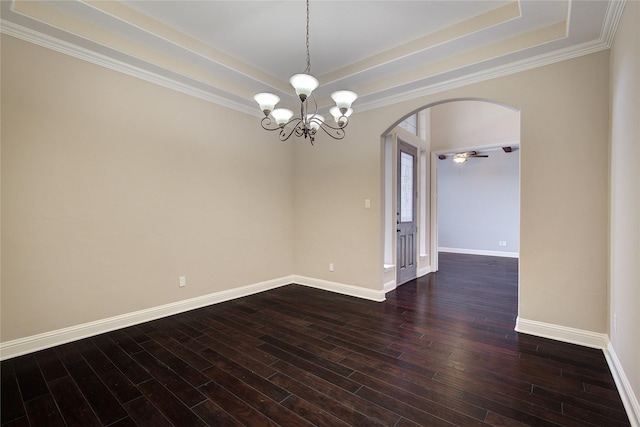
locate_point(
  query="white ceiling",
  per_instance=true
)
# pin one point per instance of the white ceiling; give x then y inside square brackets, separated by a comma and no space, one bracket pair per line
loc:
[385,50]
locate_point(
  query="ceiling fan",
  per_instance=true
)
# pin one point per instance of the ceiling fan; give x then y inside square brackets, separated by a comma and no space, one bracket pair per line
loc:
[463,157]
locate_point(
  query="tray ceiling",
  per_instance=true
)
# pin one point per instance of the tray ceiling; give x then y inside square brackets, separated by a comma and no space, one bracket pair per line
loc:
[386,51]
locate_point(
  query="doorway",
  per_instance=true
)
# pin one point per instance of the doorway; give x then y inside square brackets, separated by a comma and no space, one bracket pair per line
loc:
[407,194]
[441,128]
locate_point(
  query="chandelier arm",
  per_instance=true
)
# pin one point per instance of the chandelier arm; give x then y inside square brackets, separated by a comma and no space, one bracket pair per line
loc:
[288,129]
[284,131]
[268,124]
[333,132]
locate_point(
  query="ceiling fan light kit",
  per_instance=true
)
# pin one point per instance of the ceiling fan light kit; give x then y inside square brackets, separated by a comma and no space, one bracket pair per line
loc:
[307,123]
[464,156]
[460,158]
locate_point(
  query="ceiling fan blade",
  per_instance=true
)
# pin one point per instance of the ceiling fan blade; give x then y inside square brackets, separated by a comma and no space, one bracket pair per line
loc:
[479,155]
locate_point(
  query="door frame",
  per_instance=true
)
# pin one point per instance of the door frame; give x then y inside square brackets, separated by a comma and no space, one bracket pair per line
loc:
[413,151]
[389,164]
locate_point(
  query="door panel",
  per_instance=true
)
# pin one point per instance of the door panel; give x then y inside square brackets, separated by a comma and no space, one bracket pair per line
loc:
[406,214]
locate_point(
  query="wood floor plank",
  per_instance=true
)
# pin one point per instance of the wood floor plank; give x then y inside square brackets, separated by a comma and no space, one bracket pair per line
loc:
[117,383]
[312,413]
[235,406]
[176,364]
[75,410]
[214,415]
[261,384]
[103,402]
[338,394]
[317,370]
[184,391]
[129,367]
[259,401]
[170,406]
[251,358]
[29,376]
[344,410]
[307,356]
[144,412]
[12,404]
[43,411]
[50,365]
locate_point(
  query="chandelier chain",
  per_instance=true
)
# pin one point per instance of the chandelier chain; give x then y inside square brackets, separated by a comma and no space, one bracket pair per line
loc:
[308,70]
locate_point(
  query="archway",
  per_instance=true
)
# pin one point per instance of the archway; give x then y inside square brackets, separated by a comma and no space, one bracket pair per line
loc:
[442,129]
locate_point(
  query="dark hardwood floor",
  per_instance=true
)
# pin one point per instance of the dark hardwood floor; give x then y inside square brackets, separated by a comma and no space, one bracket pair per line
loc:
[440,351]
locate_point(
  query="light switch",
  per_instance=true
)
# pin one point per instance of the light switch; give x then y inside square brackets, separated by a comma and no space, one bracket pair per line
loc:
[367,203]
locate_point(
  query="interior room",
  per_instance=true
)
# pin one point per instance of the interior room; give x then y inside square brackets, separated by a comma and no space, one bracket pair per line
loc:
[140,181]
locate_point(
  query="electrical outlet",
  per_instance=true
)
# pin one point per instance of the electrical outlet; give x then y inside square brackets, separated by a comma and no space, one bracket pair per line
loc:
[615,324]
[330,266]
[182,281]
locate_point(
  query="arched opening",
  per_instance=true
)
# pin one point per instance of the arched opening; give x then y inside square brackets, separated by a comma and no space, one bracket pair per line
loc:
[487,184]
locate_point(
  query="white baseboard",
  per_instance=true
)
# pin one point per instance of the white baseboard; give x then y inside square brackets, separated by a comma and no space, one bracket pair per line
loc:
[37,342]
[340,288]
[389,286]
[629,399]
[562,333]
[479,252]
[423,271]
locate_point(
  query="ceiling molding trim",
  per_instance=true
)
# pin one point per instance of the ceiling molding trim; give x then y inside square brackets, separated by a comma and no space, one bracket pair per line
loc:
[460,30]
[500,71]
[611,21]
[614,13]
[420,76]
[46,41]
[173,39]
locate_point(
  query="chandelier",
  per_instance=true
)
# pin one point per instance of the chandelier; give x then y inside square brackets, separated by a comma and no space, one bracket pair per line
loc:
[309,121]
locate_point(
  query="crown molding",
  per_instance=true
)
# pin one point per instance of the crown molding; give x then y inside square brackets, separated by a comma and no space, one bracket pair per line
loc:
[190,87]
[611,21]
[492,73]
[44,40]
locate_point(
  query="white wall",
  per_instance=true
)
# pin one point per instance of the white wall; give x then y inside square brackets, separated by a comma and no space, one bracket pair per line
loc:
[479,204]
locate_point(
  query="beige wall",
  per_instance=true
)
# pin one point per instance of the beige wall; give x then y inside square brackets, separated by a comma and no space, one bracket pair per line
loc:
[564,191]
[625,195]
[471,123]
[113,187]
[332,181]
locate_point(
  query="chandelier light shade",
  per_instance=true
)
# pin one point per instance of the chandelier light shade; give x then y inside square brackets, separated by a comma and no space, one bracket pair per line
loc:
[267,101]
[340,116]
[344,99]
[309,121]
[281,115]
[304,84]
[315,121]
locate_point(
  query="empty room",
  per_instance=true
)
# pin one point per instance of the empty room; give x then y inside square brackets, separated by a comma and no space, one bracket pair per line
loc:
[330,213]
